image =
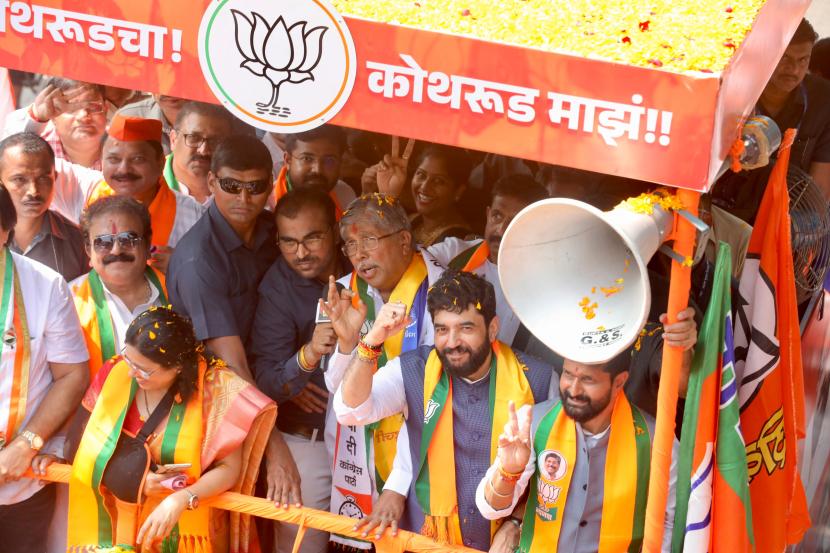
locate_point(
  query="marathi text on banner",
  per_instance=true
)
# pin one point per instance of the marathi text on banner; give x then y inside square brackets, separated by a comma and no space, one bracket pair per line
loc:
[99,33]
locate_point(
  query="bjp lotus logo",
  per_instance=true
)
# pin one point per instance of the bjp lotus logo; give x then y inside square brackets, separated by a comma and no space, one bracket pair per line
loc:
[293,67]
[278,53]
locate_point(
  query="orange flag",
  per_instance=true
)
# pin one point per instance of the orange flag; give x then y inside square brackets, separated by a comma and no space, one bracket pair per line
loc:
[768,365]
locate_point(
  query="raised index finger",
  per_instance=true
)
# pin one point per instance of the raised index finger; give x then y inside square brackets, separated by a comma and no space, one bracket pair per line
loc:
[396,146]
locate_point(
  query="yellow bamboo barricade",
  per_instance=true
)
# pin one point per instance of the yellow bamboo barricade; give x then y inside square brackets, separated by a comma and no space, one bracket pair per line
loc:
[304,517]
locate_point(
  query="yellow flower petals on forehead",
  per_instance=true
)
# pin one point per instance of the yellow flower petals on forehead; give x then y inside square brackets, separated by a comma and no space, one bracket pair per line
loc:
[674,35]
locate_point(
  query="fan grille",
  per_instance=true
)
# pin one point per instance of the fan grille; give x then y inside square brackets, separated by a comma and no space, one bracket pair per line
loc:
[810,230]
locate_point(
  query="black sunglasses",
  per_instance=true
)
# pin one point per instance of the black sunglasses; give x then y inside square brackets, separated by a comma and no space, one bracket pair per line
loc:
[126,241]
[233,186]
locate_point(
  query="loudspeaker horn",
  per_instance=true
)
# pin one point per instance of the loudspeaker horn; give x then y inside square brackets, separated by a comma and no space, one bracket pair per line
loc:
[576,276]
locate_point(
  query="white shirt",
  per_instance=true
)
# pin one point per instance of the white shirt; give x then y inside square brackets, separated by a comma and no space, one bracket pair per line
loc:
[401,475]
[120,313]
[56,337]
[447,250]
[277,153]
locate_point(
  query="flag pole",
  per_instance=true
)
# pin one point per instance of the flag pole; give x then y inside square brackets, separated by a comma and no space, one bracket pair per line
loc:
[661,451]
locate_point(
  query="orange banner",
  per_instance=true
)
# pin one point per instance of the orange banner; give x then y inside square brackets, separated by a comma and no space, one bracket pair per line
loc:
[611,118]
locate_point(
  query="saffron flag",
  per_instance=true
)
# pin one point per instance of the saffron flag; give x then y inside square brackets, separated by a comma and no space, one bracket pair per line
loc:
[768,367]
[713,507]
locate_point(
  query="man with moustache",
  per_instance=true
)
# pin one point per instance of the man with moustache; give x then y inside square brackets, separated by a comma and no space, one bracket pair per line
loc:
[70,115]
[377,239]
[590,426]
[133,162]
[456,398]
[199,127]
[27,170]
[313,159]
[117,235]
[288,345]
[794,99]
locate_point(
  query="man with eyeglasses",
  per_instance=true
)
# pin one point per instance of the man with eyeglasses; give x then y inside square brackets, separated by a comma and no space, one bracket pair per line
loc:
[27,170]
[377,239]
[199,127]
[70,115]
[289,345]
[117,235]
[133,163]
[313,160]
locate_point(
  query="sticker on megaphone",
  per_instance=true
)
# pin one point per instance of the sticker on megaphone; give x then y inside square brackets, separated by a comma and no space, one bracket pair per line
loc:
[601,338]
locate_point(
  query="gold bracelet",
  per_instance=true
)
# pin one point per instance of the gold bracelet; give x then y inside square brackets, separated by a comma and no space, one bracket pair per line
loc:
[302,360]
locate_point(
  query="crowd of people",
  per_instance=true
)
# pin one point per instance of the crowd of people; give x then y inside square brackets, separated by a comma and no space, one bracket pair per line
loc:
[171,275]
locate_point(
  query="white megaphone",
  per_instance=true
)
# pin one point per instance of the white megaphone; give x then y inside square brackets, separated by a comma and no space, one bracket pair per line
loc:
[576,276]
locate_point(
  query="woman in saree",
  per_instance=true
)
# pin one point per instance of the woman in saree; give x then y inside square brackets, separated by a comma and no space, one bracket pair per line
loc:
[211,432]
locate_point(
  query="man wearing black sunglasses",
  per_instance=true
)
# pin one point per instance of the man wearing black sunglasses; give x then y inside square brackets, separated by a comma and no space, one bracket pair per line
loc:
[117,235]
[214,273]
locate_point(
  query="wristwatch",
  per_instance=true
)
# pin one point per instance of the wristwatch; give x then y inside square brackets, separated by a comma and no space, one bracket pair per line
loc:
[35,441]
[192,500]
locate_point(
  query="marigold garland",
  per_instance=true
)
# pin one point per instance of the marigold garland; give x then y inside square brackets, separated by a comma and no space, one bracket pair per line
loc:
[674,35]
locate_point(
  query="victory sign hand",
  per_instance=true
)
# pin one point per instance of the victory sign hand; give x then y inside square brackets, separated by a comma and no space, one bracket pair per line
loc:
[514,442]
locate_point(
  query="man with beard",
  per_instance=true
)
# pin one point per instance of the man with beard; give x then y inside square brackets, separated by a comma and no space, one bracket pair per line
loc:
[133,162]
[117,234]
[289,345]
[454,397]
[199,127]
[70,115]
[604,444]
[313,159]
[511,194]
[27,170]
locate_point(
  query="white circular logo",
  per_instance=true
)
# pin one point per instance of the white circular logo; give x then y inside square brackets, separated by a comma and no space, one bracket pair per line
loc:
[286,66]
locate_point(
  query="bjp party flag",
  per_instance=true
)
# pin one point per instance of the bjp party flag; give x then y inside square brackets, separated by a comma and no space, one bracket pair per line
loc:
[713,506]
[768,365]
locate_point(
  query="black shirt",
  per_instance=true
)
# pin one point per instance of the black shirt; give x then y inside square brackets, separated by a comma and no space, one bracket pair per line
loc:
[213,276]
[284,322]
[59,245]
[808,110]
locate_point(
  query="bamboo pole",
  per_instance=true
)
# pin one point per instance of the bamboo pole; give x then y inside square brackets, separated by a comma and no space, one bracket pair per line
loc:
[304,517]
[661,451]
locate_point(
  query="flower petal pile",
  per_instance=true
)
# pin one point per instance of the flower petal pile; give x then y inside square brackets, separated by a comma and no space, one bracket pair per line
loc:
[674,35]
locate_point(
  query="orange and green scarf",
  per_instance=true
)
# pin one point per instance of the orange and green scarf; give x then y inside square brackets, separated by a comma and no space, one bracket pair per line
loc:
[283,185]
[411,290]
[435,485]
[16,351]
[93,520]
[626,481]
[472,258]
[162,209]
[96,321]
